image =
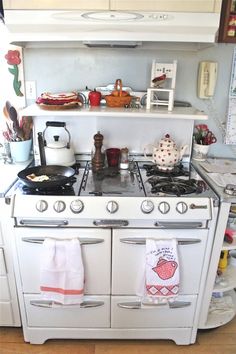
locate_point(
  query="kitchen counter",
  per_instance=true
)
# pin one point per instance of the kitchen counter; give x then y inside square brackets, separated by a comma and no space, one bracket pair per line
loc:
[219,190]
[9,175]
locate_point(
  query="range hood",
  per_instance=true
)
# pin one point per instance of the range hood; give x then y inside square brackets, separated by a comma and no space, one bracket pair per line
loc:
[109,28]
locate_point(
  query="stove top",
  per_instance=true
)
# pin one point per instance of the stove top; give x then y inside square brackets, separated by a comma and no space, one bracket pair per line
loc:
[140,180]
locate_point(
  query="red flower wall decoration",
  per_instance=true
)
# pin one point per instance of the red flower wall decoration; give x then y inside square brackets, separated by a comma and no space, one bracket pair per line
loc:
[13,58]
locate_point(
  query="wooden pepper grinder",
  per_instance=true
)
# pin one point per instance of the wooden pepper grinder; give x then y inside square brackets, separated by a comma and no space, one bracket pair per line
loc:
[98,158]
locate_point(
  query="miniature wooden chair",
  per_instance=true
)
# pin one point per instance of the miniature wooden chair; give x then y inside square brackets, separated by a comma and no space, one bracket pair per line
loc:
[163,78]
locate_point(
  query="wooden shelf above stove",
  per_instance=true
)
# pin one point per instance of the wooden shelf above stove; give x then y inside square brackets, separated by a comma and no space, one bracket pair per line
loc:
[103,111]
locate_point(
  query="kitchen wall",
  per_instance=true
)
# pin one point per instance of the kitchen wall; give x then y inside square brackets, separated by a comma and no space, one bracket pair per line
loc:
[62,69]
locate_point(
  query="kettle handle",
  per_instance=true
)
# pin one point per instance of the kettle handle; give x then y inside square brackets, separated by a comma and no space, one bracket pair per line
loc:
[41,149]
[55,124]
[60,125]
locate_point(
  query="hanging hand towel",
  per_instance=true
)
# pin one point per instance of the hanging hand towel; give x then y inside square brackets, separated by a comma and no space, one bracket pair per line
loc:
[161,270]
[62,271]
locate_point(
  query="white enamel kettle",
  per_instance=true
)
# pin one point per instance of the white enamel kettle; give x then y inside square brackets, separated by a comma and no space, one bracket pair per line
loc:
[58,152]
[166,155]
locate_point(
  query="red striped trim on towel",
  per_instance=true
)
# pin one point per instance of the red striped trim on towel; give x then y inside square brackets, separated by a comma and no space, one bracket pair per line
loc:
[62,291]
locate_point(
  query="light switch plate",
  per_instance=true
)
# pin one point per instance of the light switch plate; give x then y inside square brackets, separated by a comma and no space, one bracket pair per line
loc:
[30,90]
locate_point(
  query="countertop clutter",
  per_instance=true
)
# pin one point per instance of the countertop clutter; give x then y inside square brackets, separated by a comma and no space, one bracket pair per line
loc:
[219,173]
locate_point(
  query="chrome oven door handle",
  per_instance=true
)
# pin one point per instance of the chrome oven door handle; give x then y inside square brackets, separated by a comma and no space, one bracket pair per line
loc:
[137,305]
[52,304]
[110,223]
[83,241]
[43,223]
[142,241]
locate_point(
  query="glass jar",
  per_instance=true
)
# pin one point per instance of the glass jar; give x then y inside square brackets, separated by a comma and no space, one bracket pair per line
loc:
[124,158]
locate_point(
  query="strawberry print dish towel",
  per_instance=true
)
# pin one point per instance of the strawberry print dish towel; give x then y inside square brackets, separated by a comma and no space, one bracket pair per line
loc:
[161,270]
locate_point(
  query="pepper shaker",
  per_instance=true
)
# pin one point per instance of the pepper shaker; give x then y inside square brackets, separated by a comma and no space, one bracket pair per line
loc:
[98,157]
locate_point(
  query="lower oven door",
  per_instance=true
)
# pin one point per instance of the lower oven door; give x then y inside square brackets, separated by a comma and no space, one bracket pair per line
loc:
[128,312]
[96,254]
[128,257]
[93,312]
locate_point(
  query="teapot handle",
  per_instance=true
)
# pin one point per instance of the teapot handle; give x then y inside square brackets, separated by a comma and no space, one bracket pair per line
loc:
[182,150]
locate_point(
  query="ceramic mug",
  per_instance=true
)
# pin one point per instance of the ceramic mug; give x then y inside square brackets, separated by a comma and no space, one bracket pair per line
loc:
[200,152]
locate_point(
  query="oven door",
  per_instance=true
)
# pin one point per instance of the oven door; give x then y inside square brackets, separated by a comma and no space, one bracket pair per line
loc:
[96,253]
[128,260]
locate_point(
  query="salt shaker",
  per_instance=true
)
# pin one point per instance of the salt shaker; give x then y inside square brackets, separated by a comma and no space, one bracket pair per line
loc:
[124,158]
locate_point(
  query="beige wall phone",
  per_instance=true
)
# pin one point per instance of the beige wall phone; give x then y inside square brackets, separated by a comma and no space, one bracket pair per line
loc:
[207,75]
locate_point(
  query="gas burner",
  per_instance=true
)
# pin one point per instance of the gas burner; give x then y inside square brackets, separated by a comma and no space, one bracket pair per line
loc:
[177,171]
[176,186]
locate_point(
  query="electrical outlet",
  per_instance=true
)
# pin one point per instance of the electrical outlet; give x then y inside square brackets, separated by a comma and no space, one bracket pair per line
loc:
[30,90]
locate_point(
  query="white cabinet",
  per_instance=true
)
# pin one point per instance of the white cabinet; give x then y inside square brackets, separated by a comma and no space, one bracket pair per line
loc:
[134,5]
[9,310]
[55,5]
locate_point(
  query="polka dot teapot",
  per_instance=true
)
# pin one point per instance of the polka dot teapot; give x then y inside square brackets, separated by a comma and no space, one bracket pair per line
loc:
[166,155]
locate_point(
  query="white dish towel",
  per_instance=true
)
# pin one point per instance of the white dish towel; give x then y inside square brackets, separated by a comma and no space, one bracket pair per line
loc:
[161,275]
[62,271]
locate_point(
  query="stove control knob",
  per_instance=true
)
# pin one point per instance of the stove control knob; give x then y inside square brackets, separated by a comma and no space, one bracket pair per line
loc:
[76,206]
[112,206]
[181,207]
[164,207]
[147,206]
[41,206]
[59,206]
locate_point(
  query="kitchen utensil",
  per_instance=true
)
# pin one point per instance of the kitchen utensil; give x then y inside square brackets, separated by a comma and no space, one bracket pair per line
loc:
[166,155]
[58,152]
[58,176]
[118,97]
[18,134]
[26,127]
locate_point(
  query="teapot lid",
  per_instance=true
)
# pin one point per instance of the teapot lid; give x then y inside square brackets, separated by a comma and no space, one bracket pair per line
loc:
[167,142]
[56,144]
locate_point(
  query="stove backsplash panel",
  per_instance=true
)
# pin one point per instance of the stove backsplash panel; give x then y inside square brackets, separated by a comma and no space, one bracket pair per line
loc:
[135,133]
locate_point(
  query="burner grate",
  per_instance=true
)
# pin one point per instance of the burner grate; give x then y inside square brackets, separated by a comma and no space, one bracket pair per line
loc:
[177,171]
[175,186]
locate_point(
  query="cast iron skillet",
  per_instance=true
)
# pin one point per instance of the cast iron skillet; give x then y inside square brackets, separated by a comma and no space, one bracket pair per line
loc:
[58,176]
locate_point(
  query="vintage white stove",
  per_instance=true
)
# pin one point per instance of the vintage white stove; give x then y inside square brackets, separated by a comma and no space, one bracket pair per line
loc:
[112,213]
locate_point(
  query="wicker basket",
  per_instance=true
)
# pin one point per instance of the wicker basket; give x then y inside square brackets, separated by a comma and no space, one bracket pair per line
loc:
[119,100]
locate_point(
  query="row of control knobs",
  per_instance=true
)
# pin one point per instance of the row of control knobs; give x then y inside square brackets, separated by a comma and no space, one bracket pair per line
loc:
[112,206]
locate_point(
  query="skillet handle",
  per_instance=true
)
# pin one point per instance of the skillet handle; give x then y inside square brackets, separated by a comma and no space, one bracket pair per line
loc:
[41,149]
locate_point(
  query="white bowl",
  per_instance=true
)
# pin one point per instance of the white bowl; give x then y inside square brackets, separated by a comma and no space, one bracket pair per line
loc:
[232,258]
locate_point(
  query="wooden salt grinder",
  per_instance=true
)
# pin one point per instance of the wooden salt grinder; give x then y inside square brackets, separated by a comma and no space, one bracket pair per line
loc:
[98,158]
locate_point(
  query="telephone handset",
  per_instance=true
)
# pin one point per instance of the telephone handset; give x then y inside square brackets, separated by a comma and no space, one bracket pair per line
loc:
[207,75]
